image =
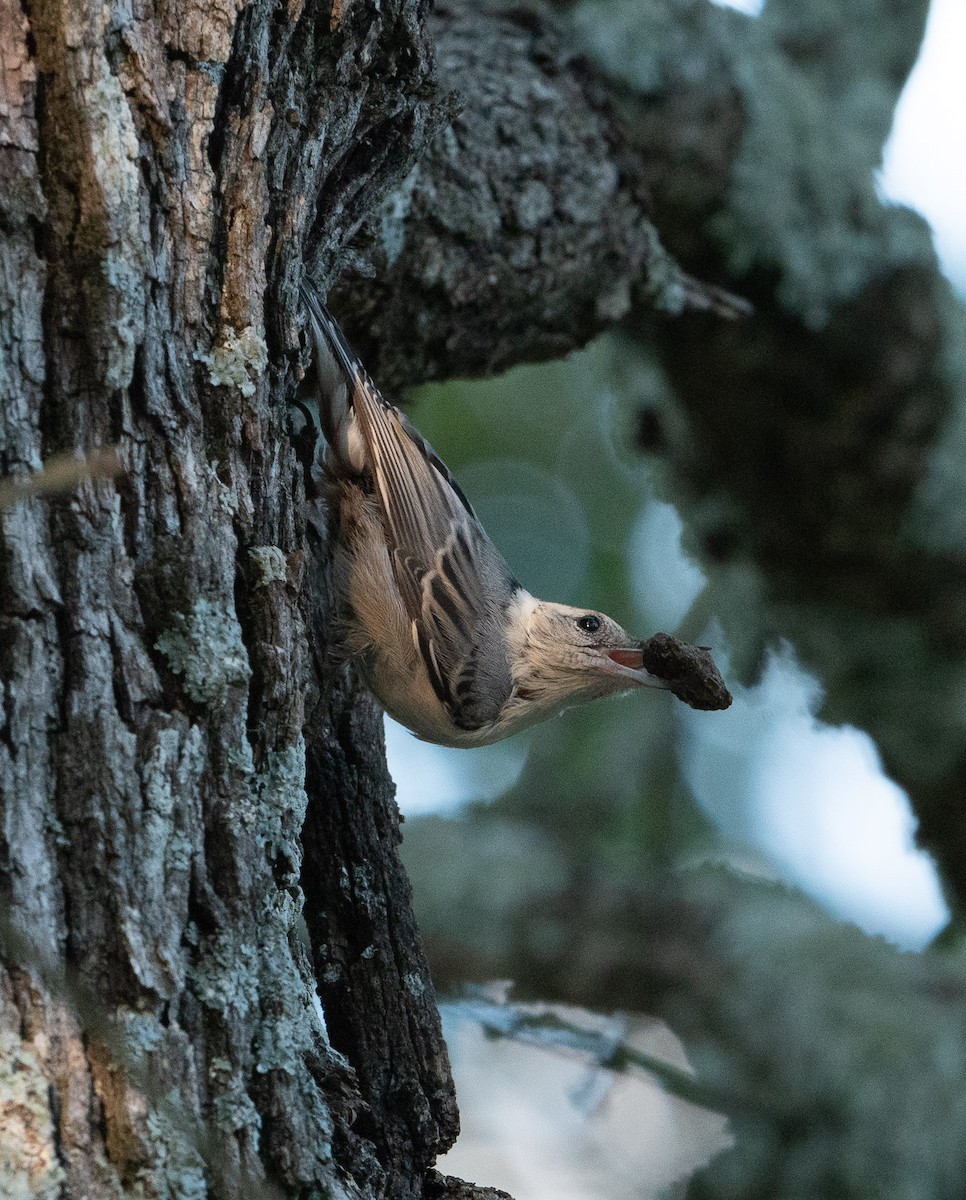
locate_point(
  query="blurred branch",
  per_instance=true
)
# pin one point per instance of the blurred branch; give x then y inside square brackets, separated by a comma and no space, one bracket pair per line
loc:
[541,1026]
[823,440]
[840,1060]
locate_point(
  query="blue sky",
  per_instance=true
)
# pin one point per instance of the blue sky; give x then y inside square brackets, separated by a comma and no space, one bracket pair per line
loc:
[925,160]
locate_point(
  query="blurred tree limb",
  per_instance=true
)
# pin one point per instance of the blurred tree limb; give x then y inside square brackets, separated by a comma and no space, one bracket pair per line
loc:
[547,1027]
[839,1060]
[823,440]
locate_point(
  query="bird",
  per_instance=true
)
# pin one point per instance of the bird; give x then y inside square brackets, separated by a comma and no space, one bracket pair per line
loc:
[449,642]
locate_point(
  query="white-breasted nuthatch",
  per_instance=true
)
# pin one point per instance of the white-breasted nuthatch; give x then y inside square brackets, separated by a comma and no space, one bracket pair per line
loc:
[449,642]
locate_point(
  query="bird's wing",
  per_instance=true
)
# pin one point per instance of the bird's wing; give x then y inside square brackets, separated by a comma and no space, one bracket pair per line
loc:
[454,583]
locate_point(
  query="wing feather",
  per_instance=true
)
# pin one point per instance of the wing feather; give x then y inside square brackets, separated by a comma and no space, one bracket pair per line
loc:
[454,583]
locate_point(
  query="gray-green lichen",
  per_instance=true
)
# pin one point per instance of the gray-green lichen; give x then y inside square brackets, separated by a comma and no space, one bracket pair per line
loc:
[107,159]
[142,1035]
[389,221]
[279,801]
[29,1166]
[225,977]
[239,361]
[802,197]
[206,649]
[234,1109]
[269,564]
[175,1169]
[231,974]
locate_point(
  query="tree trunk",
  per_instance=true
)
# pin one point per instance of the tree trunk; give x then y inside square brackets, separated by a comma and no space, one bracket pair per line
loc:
[164,169]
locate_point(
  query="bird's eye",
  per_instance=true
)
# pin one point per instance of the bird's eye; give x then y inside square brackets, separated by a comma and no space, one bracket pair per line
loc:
[588,624]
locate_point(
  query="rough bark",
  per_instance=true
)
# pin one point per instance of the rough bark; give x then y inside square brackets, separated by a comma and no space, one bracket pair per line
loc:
[524,230]
[165,169]
[359,916]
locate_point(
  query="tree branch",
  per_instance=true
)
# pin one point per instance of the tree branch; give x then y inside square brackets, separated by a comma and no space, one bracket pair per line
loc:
[820,437]
[524,231]
[751,145]
[834,1055]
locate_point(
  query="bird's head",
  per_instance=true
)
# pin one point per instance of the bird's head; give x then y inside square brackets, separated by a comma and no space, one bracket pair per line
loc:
[573,654]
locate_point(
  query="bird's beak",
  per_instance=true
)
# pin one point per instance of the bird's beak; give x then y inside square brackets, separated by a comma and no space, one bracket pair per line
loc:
[629,662]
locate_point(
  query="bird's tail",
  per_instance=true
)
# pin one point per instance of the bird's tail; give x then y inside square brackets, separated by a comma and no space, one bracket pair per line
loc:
[322,408]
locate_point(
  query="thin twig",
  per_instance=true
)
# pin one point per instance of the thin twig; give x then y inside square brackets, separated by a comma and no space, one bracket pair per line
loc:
[61,473]
[542,1026]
